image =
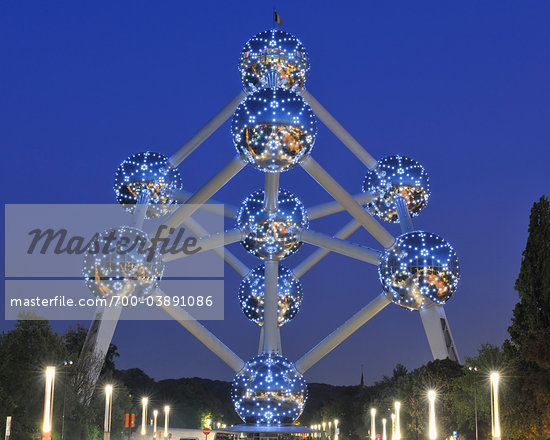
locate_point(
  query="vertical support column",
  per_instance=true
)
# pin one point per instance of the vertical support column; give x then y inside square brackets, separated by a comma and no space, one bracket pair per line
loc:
[438,332]
[403,213]
[271,192]
[271,327]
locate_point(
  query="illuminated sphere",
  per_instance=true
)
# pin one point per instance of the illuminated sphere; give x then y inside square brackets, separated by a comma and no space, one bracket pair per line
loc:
[420,266]
[274,129]
[272,235]
[151,173]
[269,390]
[274,58]
[289,295]
[121,263]
[397,176]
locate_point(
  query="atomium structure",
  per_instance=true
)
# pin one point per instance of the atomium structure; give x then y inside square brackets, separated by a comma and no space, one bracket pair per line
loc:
[273,128]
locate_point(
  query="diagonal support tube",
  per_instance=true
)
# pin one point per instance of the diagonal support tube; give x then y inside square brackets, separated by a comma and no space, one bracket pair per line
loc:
[211,126]
[209,242]
[340,132]
[213,206]
[405,220]
[353,250]
[342,196]
[319,254]
[204,335]
[205,192]
[330,208]
[341,333]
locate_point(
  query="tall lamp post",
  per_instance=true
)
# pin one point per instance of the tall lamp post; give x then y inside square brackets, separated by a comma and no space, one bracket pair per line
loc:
[336,432]
[48,403]
[392,426]
[166,417]
[65,365]
[144,403]
[474,370]
[397,428]
[108,410]
[155,415]
[495,416]
[432,433]
[384,430]
[373,423]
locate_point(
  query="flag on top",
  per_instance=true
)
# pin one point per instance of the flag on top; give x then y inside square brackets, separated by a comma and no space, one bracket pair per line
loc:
[277,18]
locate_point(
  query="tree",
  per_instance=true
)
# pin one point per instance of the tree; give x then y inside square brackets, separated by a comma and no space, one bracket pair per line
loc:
[530,330]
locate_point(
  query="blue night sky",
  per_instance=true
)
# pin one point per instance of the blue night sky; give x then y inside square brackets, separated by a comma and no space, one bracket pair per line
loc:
[461,87]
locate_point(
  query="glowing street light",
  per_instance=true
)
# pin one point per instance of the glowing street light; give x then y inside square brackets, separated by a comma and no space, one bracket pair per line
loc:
[155,416]
[336,431]
[384,430]
[166,417]
[495,416]
[373,423]
[329,428]
[397,428]
[324,426]
[48,403]
[144,403]
[108,409]
[432,434]
[392,426]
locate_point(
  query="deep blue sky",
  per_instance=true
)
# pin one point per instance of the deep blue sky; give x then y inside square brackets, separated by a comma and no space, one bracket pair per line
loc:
[461,87]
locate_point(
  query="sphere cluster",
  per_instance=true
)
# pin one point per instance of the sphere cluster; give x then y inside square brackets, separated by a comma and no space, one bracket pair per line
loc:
[274,129]
[419,269]
[252,293]
[269,390]
[393,177]
[149,174]
[274,58]
[122,262]
[272,235]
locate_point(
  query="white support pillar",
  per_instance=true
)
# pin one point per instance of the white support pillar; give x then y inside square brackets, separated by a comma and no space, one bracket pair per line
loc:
[213,206]
[205,192]
[334,207]
[271,325]
[403,214]
[271,202]
[208,243]
[95,348]
[202,334]
[438,332]
[211,126]
[353,250]
[140,211]
[223,253]
[319,254]
[341,333]
[340,132]
[342,196]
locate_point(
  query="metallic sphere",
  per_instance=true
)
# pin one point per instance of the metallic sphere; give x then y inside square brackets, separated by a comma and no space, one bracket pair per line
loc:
[151,176]
[289,295]
[122,262]
[419,269]
[272,235]
[274,58]
[269,390]
[274,129]
[393,177]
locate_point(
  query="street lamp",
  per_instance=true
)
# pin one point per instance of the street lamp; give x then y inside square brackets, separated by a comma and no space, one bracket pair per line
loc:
[48,403]
[397,428]
[166,417]
[144,403]
[392,426]
[336,431]
[384,430]
[474,371]
[373,423]
[155,416]
[65,365]
[495,416]
[108,409]
[329,429]
[432,431]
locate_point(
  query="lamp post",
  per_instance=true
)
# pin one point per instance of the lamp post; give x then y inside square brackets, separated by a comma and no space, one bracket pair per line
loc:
[336,431]
[384,430]
[329,429]
[392,426]
[155,415]
[373,423]
[495,416]
[48,403]
[432,435]
[397,428]
[144,402]
[108,409]
[166,417]
[65,365]
[474,370]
